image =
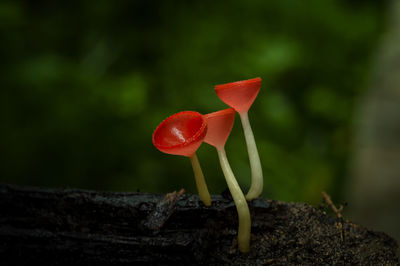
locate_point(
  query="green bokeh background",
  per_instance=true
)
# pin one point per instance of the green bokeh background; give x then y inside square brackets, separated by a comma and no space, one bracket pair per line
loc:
[85,83]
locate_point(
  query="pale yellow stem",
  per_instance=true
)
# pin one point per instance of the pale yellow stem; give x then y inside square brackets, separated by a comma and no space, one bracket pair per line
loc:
[200,181]
[242,208]
[256,186]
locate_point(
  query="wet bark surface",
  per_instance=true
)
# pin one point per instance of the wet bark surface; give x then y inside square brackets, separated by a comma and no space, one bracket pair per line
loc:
[79,227]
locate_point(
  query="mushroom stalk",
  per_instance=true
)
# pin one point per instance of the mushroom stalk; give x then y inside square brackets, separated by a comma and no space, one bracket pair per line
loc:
[240,202]
[200,181]
[255,164]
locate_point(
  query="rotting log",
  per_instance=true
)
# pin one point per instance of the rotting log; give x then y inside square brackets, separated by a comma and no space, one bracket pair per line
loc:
[80,227]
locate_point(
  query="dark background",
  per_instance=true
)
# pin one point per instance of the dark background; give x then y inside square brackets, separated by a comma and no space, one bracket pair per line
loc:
[85,83]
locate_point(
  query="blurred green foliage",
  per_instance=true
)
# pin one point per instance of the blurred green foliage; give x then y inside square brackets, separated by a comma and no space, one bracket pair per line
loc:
[85,83]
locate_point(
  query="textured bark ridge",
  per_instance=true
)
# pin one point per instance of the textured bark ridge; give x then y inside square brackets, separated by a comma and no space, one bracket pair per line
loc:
[78,227]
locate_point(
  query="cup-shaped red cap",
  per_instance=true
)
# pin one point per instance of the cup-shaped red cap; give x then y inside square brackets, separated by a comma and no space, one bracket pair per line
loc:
[219,126]
[181,133]
[240,94]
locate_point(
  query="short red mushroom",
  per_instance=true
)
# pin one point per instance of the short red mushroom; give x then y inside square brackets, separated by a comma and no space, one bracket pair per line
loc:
[240,95]
[182,134]
[219,127]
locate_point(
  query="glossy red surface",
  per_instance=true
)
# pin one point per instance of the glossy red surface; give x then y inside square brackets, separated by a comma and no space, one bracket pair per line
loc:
[181,133]
[239,95]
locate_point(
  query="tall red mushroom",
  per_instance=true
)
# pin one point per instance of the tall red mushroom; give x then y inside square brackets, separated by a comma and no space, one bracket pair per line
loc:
[182,134]
[240,95]
[219,127]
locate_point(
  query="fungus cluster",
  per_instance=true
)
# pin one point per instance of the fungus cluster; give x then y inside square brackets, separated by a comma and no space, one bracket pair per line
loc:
[184,132]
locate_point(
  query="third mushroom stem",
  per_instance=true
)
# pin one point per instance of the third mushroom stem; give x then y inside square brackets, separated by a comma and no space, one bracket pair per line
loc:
[255,164]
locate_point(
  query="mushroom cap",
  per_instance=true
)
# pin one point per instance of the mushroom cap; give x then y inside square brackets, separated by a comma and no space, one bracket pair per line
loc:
[240,94]
[181,133]
[219,126]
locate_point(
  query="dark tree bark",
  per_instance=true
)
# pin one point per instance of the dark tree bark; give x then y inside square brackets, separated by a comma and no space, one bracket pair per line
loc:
[78,227]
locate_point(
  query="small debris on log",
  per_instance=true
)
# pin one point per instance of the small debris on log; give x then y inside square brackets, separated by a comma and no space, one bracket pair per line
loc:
[162,211]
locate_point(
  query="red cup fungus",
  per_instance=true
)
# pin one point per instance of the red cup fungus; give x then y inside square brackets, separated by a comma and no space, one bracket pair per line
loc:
[240,95]
[182,134]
